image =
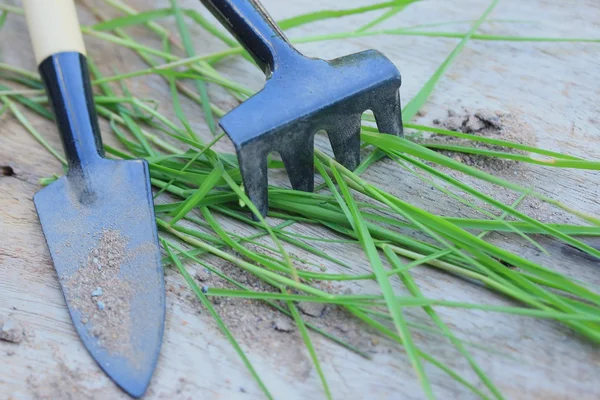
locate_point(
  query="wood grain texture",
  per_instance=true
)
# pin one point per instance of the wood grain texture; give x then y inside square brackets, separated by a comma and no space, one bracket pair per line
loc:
[554,87]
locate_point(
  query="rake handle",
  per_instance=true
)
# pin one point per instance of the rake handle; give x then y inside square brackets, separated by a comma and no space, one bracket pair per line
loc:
[255,29]
[60,53]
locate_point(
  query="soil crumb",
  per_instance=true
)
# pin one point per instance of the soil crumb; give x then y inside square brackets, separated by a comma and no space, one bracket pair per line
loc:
[485,123]
[11,330]
[101,297]
[312,309]
[283,324]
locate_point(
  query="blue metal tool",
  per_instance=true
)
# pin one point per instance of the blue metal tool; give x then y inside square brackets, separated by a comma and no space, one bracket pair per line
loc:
[302,95]
[98,219]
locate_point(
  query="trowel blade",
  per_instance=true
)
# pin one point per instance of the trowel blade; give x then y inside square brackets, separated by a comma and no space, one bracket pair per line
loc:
[101,233]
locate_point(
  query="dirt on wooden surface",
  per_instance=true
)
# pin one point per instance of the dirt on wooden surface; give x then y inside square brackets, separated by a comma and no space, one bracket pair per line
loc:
[262,328]
[102,297]
[484,123]
[64,383]
[67,381]
[558,363]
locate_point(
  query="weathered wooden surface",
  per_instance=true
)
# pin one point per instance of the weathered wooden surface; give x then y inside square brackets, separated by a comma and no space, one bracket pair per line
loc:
[552,86]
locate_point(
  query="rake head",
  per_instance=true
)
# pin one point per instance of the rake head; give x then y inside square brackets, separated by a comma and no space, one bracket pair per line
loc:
[305,95]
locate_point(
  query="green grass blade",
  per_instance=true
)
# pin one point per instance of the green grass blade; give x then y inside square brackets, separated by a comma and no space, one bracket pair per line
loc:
[131,20]
[364,236]
[329,14]
[387,15]
[415,104]
[207,304]
[209,183]
[310,347]
[492,141]
[402,146]
[414,289]
[547,162]
[388,332]
[27,125]
[190,52]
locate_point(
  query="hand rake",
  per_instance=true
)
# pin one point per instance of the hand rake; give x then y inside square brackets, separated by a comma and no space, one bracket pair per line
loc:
[302,95]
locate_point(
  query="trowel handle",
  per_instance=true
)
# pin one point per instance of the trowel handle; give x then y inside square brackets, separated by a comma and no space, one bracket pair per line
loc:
[53,27]
[60,54]
[254,28]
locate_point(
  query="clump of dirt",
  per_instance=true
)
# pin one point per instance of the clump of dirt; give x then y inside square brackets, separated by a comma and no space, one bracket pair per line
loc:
[283,324]
[11,330]
[312,309]
[263,328]
[101,297]
[484,123]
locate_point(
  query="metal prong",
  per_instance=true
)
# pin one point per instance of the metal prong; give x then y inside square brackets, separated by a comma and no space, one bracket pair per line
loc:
[253,167]
[344,135]
[388,115]
[299,163]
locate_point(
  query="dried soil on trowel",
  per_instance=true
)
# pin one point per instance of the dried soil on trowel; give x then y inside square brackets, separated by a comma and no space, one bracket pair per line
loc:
[485,123]
[101,297]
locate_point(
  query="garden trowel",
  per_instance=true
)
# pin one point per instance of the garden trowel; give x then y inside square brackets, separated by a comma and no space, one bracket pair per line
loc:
[98,219]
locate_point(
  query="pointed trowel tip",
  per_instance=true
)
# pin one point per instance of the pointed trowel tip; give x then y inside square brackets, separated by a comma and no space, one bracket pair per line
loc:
[133,386]
[132,379]
[131,370]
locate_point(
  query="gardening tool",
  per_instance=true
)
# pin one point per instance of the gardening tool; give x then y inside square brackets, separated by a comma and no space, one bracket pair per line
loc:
[301,96]
[98,219]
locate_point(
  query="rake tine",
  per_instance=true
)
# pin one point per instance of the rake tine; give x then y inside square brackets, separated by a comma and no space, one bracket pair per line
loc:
[388,115]
[298,159]
[344,136]
[253,167]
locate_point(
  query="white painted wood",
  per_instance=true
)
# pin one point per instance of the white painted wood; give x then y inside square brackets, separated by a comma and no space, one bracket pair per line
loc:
[53,27]
[554,86]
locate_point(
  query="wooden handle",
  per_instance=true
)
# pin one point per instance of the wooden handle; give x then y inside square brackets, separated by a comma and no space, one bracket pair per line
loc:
[53,27]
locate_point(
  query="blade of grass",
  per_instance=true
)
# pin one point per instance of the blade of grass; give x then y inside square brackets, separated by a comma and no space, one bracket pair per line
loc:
[310,347]
[272,304]
[207,304]
[303,19]
[388,332]
[415,104]
[387,15]
[492,141]
[416,291]
[27,125]
[547,162]
[190,52]
[354,216]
